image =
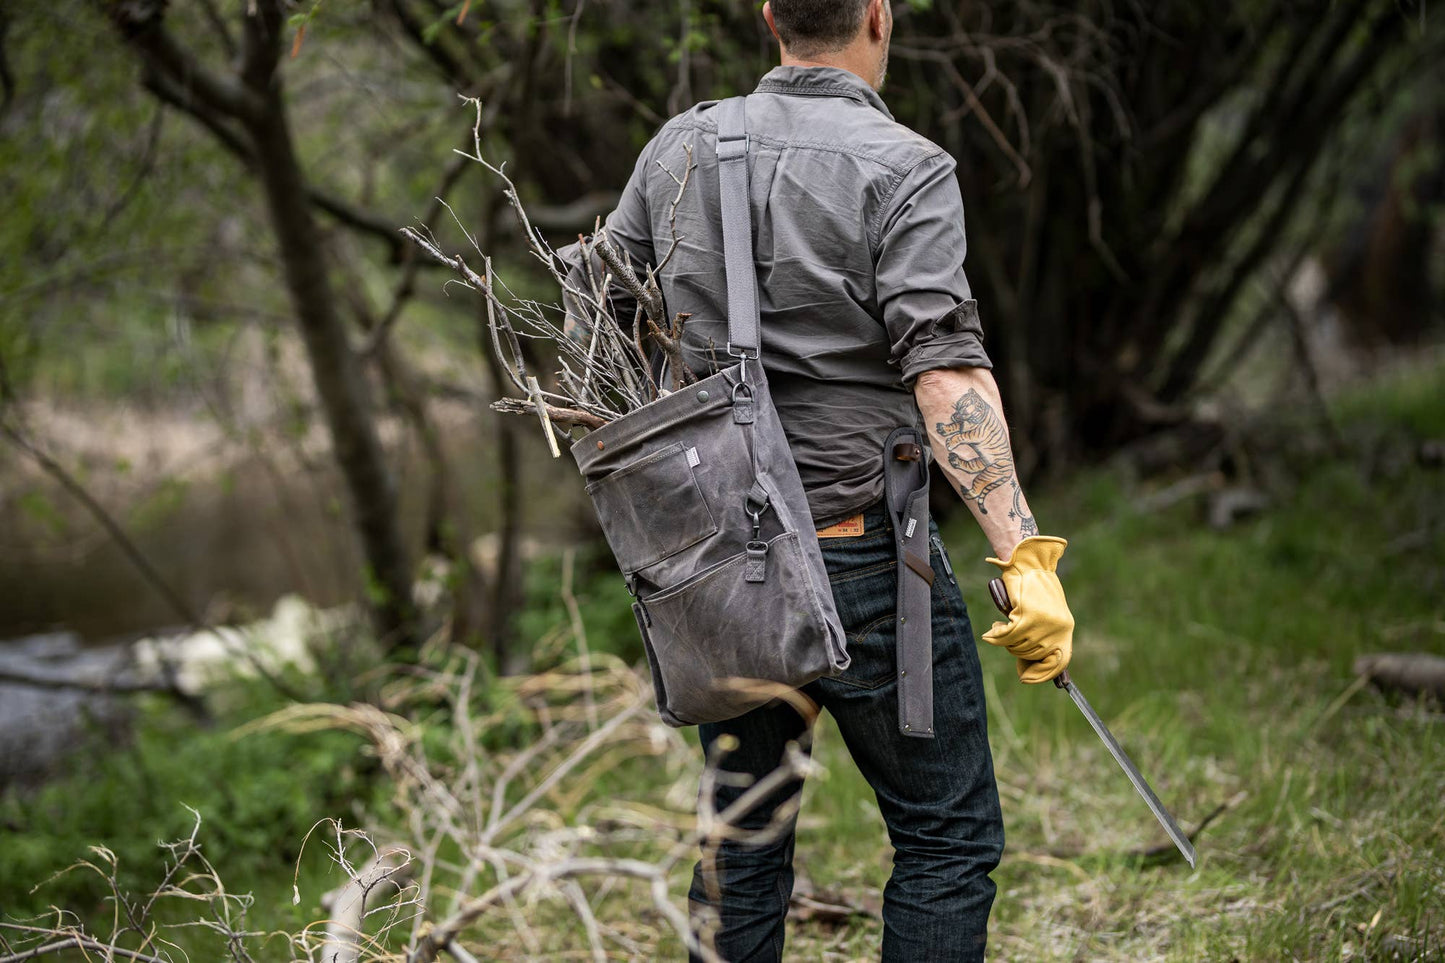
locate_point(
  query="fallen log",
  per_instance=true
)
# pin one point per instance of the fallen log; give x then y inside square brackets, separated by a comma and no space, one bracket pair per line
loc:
[1409,673]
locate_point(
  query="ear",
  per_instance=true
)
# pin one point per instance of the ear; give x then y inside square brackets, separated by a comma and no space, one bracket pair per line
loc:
[768,16]
[878,20]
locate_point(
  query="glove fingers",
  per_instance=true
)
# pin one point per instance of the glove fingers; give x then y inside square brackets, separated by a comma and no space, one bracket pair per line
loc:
[1042,670]
[1019,638]
[1017,643]
[1004,634]
[1040,629]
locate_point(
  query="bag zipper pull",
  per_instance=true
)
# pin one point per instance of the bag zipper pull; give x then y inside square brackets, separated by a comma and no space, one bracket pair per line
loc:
[943,554]
[631,581]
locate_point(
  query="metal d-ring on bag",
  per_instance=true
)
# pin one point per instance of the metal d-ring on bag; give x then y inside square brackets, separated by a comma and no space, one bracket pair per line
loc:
[701,502]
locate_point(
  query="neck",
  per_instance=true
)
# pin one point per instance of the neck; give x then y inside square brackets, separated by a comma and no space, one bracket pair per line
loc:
[851,58]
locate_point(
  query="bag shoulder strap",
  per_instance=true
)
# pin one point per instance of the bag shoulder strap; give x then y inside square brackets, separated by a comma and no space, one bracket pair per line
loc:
[742,275]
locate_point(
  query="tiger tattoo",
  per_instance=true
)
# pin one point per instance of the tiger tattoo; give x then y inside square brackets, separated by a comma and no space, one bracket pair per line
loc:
[978,445]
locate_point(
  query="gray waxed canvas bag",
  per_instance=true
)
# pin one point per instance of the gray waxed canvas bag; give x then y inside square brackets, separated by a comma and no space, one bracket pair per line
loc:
[701,503]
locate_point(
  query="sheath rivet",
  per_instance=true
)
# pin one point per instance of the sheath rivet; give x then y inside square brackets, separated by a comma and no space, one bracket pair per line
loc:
[600,446]
[903,620]
[903,674]
[702,396]
[906,727]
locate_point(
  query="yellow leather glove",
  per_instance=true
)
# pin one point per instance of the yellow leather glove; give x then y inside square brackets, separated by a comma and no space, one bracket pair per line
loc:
[1040,627]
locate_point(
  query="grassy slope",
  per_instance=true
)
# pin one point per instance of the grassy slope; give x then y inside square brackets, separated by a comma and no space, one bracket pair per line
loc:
[1222,662]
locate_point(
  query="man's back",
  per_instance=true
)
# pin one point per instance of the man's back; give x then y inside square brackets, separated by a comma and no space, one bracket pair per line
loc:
[859,247]
[868,325]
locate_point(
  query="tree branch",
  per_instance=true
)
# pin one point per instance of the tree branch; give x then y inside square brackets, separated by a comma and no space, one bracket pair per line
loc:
[235,142]
[261,45]
[568,417]
[34,680]
[7,79]
[142,27]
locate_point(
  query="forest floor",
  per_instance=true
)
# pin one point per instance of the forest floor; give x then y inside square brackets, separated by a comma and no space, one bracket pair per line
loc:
[1221,658]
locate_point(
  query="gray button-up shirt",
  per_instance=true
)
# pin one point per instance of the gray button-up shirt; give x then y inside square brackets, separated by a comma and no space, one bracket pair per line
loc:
[859,242]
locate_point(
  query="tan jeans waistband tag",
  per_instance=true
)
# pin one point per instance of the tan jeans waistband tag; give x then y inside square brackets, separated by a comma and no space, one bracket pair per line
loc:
[847,528]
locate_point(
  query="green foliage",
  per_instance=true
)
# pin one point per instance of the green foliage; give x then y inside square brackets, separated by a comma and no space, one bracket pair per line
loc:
[38,506]
[601,598]
[258,795]
[160,506]
[1222,660]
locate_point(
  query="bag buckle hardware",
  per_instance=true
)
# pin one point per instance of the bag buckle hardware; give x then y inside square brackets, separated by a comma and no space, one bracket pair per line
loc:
[631,581]
[757,503]
[908,451]
[756,569]
[743,411]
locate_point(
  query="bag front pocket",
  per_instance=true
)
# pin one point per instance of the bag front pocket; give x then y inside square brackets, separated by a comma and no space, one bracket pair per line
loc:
[652,508]
[719,627]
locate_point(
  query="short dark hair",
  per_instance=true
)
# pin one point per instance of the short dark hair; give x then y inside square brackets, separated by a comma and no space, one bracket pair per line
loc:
[808,27]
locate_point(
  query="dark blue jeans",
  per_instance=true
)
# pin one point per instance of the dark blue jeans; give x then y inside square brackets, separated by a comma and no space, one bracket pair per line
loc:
[937,796]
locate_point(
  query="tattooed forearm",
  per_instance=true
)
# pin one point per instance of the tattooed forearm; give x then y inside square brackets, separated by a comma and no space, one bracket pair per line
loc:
[1027,525]
[971,440]
[978,446]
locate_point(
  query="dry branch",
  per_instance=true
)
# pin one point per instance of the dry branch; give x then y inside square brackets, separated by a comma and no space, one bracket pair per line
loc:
[487,836]
[605,366]
[567,417]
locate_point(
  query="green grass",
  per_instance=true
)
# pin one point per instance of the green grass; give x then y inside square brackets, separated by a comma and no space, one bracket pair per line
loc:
[1221,659]
[1222,662]
[257,796]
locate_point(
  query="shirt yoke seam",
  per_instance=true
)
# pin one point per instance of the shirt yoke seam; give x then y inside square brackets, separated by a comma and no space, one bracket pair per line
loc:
[900,171]
[899,168]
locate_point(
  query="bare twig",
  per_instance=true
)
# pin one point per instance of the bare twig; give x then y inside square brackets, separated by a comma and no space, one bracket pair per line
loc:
[558,416]
[605,368]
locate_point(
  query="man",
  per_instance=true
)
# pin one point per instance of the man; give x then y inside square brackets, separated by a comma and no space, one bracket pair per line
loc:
[868,324]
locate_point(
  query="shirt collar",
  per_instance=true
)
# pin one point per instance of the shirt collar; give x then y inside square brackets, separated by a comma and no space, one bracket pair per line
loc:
[821,82]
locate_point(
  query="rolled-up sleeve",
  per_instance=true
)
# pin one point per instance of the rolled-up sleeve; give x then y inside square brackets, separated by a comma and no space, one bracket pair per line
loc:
[928,309]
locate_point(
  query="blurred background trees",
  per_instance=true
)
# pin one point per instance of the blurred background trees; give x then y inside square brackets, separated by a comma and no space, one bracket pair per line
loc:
[200,235]
[1206,240]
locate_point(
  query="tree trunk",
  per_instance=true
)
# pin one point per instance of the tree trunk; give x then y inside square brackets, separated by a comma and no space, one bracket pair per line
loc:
[245,111]
[506,596]
[337,374]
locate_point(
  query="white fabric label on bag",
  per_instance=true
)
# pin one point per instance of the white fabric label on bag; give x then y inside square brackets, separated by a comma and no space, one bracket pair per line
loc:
[693,458]
[912,524]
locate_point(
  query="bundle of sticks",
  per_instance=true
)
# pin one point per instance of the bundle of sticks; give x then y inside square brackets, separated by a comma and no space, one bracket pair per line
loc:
[609,366]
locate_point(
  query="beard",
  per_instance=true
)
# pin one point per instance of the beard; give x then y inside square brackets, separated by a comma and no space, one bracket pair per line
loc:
[882,73]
